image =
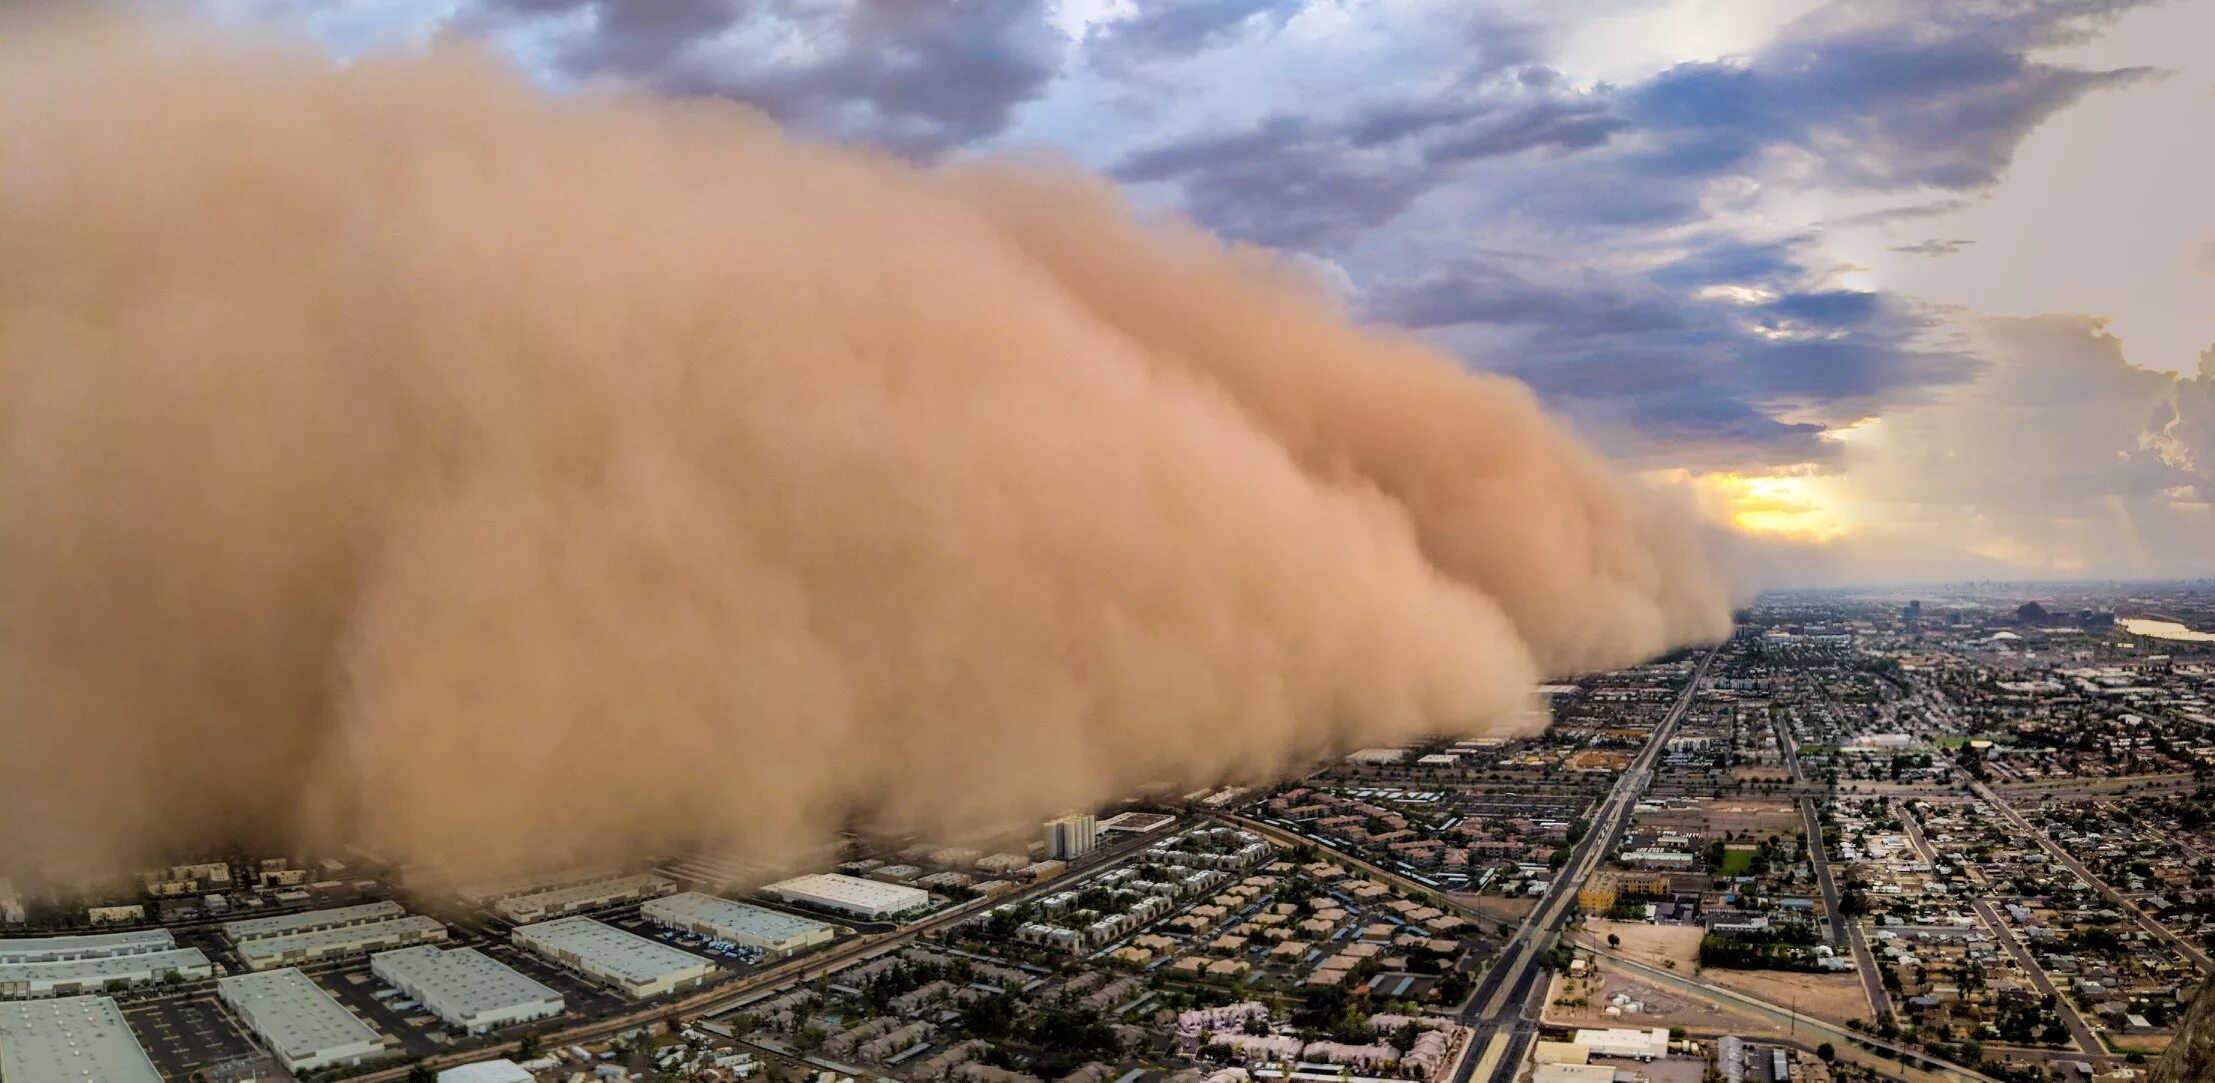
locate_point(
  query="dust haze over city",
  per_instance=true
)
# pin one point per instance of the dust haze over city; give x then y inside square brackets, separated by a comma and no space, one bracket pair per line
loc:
[422,438]
[1106,540]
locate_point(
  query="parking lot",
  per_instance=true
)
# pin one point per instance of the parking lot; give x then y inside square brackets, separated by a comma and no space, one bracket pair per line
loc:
[418,1032]
[580,996]
[185,1034]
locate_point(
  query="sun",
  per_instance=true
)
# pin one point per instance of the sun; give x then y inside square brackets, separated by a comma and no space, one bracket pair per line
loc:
[1784,504]
[1802,506]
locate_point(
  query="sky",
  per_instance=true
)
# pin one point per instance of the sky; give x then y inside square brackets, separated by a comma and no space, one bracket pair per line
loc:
[1899,290]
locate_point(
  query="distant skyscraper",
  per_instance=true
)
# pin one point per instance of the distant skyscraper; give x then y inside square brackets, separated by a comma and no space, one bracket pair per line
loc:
[1071,836]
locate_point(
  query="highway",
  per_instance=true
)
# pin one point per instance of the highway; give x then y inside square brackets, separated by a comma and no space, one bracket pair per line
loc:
[1498,1012]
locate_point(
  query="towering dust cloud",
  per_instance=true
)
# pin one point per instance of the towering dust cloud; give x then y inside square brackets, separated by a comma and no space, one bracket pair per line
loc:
[394,452]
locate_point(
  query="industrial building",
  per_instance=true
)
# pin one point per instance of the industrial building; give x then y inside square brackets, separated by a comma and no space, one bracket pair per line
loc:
[633,965]
[1072,836]
[298,1021]
[274,951]
[71,1039]
[469,990]
[1636,1043]
[738,923]
[849,895]
[74,976]
[62,949]
[553,902]
[311,921]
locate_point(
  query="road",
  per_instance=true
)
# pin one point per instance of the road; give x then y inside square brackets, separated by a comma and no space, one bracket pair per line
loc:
[2124,905]
[1497,1010]
[2087,1040]
[1843,930]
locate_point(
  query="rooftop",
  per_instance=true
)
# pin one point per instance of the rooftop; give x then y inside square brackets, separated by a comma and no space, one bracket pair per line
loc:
[47,948]
[611,951]
[108,966]
[465,980]
[286,924]
[70,1038]
[762,922]
[326,940]
[293,1014]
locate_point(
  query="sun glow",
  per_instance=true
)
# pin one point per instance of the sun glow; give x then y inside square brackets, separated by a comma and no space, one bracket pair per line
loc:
[1791,505]
[1800,506]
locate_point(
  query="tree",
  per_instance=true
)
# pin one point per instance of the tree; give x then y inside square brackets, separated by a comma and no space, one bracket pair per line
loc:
[1614,941]
[1827,1051]
[421,1073]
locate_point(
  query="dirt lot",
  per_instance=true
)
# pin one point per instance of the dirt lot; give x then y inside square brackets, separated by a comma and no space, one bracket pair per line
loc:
[1590,997]
[1836,997]
[2148,1044]
[1495,908]
[1753,816]
[1654,945]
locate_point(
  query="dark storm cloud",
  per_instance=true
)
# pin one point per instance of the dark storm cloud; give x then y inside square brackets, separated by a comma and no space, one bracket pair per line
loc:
[1304,180]
[1177,29]
[1876,96]
[1878,107]
[1683,364]
[919,78]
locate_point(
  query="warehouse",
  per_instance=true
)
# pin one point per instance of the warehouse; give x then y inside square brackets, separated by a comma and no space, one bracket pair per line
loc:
[311,921]
[1635,1043]
[74,1039]
[633,965]
[849,895]
[272,951]
[738,923]
[298,1021]
[469,990]
[555,902]
[93,975]
[62,949]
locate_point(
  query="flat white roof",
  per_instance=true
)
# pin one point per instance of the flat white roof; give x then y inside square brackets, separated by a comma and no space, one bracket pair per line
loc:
[564,898]
[610,952]
[104,967]
[70,1038]
[287,924]
[49,948]
[759,921]
[293,1014]
[486,1071]
[324,941]
[851,889]
[465,980]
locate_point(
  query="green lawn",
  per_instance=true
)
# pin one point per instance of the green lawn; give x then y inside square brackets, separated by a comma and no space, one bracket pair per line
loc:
[1736,860]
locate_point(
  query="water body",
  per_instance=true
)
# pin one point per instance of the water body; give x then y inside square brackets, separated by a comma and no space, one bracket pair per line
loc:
[2166,629]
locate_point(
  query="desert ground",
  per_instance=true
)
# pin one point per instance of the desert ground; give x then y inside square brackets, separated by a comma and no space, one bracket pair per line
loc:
[1654,945]
[1836,997]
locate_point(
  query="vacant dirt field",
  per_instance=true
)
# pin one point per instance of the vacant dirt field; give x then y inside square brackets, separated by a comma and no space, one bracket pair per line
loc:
[1757,817]
[1590,998]
[1654,945]
[1836,997]
[1495,908]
